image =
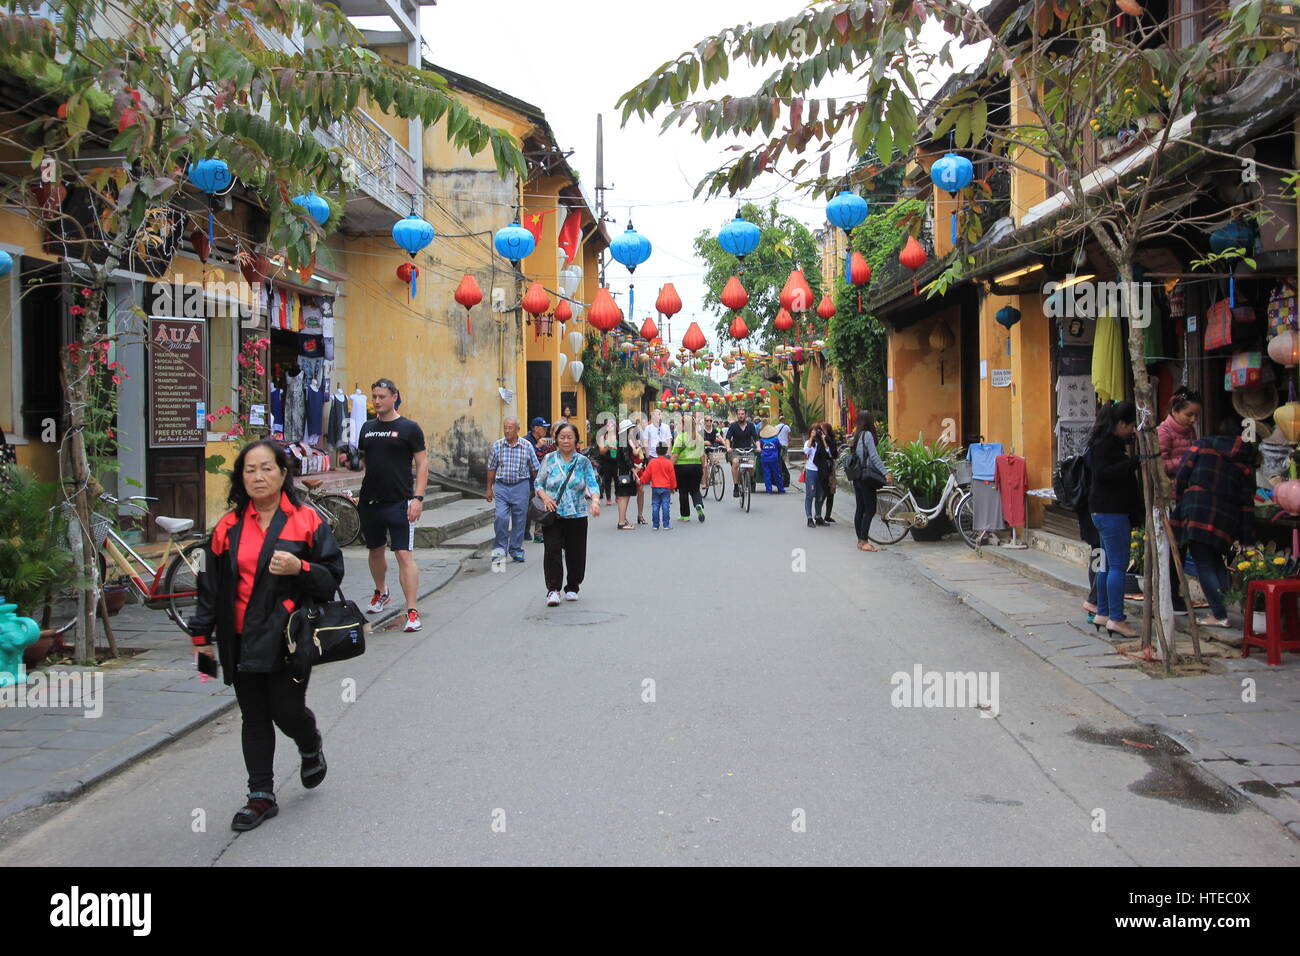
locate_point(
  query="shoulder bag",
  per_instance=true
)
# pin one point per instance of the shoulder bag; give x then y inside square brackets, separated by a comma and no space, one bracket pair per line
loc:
[322,634]
[543,518]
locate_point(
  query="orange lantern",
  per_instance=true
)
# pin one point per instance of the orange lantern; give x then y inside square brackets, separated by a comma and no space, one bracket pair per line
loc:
[859,269]
[734,296]
[536,301]
[408,272]
[739,330]
[783,321]
[913,257]
[649,331]
[563,312]
[694,338]
[468,294]
[826,307]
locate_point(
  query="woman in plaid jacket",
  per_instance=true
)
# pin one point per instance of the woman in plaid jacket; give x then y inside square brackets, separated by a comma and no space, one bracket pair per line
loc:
[1215,491]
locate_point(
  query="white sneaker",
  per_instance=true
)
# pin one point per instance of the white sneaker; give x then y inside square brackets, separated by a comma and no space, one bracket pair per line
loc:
[552,598]
[378,602]
[570,596]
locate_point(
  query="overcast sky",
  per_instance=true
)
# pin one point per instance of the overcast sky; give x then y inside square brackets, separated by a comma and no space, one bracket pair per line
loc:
[573,60]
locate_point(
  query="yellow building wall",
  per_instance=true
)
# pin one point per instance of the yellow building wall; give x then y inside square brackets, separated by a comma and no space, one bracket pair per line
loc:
[1027,190]
[924,401]
[995,403]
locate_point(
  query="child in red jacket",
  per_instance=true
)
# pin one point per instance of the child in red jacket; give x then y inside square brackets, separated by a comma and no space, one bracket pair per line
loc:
[663,477]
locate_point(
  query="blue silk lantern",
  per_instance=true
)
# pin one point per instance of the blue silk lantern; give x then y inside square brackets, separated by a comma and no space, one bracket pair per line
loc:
[739,237]
[6,263]
[847,211]
[212,176]
[631,249]
[412,234]
[952,173]
[1232,236]
[316,207]
[514,243]
[1007,316]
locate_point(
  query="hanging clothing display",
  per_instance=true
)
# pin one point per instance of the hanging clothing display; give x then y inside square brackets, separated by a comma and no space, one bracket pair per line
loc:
[1011,489]
[356,417]
[277,412]
[295,406]
[1075,399]
[315,408]
[986,504]
[1108,360]
[313,370]
[983,459]
[338,414]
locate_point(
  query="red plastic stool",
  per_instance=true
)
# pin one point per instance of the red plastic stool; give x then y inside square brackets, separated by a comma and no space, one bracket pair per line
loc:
[1282,632]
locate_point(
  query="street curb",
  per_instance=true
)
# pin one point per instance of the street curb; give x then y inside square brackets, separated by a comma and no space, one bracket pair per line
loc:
[70,784]
[1228,772]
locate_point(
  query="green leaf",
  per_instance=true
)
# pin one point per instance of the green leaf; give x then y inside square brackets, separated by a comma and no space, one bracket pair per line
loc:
[962,132]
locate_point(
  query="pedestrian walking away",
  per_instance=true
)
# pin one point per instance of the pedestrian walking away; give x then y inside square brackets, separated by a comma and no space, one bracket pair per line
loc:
[566,483]
[512,464]
[687,454]
[770,456]
[662,477]
[872,476]
[391,503]
[266,557]
[816,458]
[607,454]
[1116,501]
[783,436]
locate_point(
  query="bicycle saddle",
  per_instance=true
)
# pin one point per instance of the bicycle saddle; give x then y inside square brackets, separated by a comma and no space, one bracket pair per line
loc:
[174,525]
[313,483]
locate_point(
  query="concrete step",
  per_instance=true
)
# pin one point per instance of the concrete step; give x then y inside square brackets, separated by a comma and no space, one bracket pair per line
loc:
[476,539]
[437,498]
[441,524]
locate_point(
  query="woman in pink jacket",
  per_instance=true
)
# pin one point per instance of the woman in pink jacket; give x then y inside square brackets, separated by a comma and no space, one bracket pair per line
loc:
[1178,431]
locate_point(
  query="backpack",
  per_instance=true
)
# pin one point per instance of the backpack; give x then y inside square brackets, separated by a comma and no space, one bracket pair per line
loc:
[1070,482]
[854,467]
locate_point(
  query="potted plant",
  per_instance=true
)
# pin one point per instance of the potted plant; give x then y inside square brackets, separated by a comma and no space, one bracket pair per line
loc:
[1257,563]
[34,555]
[923,469]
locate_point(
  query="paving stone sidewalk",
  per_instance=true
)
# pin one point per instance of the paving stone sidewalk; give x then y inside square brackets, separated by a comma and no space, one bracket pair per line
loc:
[1252,745]
[52,753]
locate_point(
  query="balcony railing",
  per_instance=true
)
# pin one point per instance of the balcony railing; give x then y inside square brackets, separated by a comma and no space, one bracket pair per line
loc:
[386,170]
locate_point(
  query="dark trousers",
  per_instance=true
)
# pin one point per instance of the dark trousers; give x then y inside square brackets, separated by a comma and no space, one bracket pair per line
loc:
[828,488]
[785,469]
[267,701]
[1213,576]
[608,468]
[688,487]
[566,546]
[865,501]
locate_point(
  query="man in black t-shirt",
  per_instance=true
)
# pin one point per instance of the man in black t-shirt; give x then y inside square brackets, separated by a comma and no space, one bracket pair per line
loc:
[390,503]
[741,436]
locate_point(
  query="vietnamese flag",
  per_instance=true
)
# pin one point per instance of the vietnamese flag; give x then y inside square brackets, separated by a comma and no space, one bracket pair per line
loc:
[571,235]
[533,223]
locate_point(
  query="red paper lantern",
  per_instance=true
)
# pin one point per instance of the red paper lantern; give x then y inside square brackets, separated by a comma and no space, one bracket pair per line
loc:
[202,248]
[669,302]
[783,321]
[649,331]
[536,301]
[913,257]
[563,312]
[797,295]
[739,329]
[859,269]
[734,296]
[604,314]
[255,267]
[694,339]
[468,294]
[826,307]
[667,396]
[797,355]
[408,272]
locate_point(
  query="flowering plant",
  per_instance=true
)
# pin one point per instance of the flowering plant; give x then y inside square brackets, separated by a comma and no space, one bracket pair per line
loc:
[1257,563]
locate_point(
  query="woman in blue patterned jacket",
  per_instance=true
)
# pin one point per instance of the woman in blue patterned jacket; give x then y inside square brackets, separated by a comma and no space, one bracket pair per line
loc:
[567,486]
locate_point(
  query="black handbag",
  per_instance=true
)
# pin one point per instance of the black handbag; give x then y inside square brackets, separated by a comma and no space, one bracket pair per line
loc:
[541,517]
[322,634]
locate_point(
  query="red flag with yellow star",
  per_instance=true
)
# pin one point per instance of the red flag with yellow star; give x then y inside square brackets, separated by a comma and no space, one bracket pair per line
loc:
[533,223]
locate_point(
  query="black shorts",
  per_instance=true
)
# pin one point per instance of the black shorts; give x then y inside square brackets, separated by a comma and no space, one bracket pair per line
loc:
[386,522]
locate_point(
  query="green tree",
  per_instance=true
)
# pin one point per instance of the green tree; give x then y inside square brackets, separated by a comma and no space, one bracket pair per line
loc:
[1069,64]
[786,244]
[857,341]
[131,92]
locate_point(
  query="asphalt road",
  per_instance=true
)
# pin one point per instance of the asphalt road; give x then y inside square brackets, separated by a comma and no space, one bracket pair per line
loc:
[510,733]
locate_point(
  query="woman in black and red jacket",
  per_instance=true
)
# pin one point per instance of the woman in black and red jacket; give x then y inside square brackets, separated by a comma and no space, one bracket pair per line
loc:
[267,556]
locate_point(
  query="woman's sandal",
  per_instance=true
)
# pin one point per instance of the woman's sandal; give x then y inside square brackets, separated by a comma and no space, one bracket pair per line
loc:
[260,806]
[626,526]
[867,546]
[1212,622]
[312,772]
[642,521]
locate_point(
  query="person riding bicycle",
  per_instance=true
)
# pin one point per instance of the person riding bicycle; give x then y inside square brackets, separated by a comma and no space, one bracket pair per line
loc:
[741,437]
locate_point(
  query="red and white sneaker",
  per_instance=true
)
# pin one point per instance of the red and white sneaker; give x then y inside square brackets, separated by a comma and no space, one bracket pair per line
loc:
[412,620]
[378,602]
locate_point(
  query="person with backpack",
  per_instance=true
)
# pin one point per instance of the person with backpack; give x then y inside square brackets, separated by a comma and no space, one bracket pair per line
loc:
[1115,500]
[868,474]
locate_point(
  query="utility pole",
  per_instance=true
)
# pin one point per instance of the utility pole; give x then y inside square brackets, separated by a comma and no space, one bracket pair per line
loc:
[600,184]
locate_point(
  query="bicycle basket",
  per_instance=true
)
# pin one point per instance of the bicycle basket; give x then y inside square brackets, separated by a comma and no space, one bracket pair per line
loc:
[961,470]
[99,528]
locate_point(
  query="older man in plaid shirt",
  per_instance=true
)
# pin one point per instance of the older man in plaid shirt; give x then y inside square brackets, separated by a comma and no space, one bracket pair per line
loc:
[511,465]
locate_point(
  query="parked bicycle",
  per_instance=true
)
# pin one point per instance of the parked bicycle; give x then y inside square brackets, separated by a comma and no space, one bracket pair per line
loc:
[897,511]
[715,473]
[338,508]
[172,584]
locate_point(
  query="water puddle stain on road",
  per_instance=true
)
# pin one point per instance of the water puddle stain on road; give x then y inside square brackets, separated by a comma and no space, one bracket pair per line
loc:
[575,618]
[1169,779]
